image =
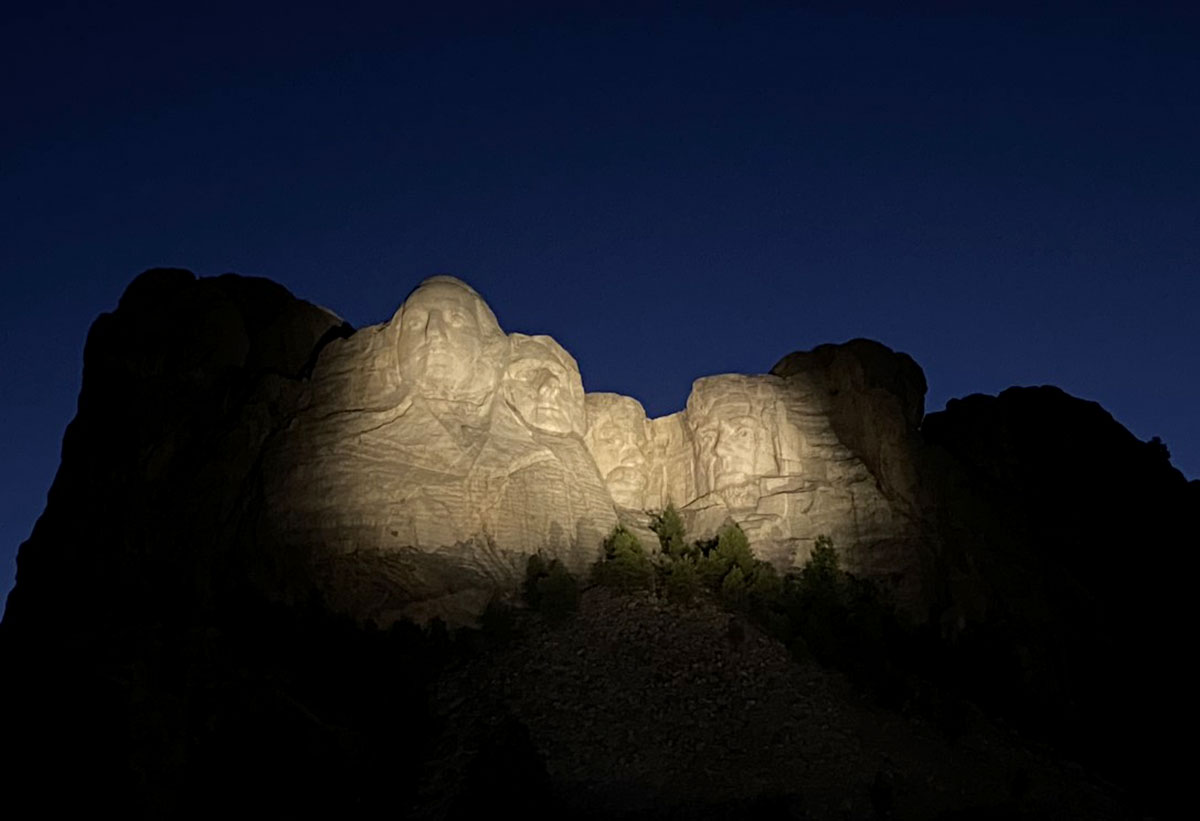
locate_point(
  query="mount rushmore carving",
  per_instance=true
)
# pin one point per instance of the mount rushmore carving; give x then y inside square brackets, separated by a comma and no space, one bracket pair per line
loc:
[242,460]
[433,453]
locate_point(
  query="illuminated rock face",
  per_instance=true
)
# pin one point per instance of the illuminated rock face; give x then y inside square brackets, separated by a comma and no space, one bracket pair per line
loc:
[543,386]
[646,463]
[763,451]
[432,456]
[767,456]
[449,350]
[740,432]
[618,436]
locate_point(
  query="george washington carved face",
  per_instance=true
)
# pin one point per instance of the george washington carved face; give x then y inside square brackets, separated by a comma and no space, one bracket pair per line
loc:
[449,344]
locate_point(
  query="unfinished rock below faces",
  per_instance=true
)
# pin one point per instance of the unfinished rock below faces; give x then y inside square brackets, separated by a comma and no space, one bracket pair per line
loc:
[433,455]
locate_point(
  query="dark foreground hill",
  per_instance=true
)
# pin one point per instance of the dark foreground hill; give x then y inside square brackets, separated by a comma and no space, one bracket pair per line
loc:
[640,708]
[631,708]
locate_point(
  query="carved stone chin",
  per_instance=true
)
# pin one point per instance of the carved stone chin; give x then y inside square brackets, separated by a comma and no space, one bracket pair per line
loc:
[627,485]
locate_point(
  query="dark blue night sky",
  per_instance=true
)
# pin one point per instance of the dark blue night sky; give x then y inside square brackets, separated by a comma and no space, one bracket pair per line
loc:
[669,190]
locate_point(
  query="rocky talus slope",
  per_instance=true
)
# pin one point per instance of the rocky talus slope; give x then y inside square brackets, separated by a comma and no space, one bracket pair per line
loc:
[640,708]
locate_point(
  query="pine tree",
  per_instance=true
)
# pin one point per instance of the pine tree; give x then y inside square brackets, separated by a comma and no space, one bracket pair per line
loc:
[668,526]
[625,564]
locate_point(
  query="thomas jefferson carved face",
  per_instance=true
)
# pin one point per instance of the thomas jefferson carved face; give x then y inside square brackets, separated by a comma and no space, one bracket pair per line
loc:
[542,384]
[447,342]
[617,437]
[733,436]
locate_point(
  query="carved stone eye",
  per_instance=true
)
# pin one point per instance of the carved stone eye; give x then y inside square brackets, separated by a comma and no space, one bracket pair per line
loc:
[524,372]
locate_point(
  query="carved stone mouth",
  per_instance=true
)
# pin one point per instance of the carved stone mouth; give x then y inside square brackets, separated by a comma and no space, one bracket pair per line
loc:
[626,477]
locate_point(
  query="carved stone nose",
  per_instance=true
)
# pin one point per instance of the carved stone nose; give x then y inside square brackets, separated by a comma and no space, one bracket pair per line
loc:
[722,445]
[548,385]
[435,325]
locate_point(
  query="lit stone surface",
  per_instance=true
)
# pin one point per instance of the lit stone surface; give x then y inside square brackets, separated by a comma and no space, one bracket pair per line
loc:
[433,455]
[673,479]
[618,436]
[542,384]
[766,455]
[762,451]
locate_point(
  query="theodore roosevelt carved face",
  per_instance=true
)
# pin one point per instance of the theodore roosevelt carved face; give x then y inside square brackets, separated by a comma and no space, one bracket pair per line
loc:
[618,438]
[449,345]
[542,384]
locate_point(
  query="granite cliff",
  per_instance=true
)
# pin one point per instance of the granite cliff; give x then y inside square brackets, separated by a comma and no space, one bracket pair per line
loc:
[408,469]
[238,450]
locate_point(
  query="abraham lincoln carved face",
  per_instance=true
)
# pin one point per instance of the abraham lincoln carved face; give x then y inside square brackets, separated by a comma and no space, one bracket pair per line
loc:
[733,420]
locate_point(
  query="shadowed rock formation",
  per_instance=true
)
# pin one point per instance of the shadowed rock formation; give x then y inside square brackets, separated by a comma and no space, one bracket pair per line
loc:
[1053,522]
[153,503]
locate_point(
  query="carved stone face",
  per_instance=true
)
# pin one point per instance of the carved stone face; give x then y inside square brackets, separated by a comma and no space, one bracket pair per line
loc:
[617,437]
[733,436]
[445,342]
[542,384]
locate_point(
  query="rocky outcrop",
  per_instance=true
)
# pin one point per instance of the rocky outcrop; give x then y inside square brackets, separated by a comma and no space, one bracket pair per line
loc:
[1055,526]
[769,457]
[182,385]
[1054,505]
[430,457]
[409,468]
[875,402]
[827,444]
[236,444]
